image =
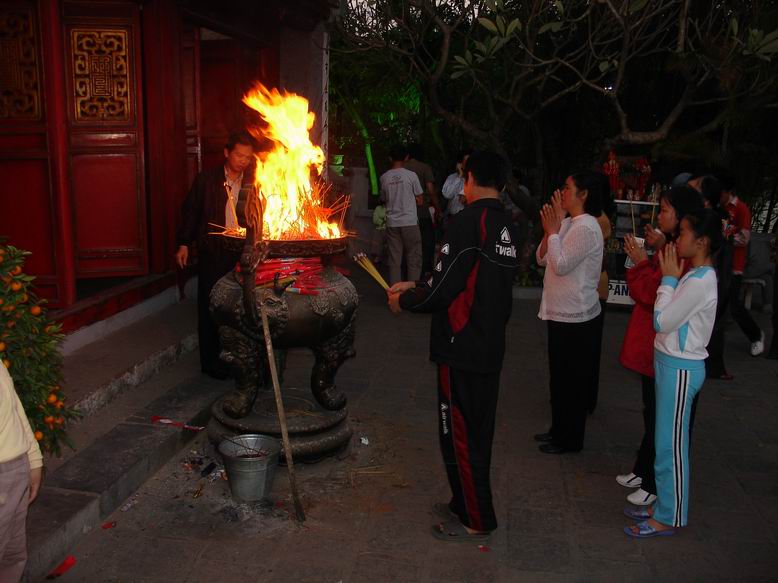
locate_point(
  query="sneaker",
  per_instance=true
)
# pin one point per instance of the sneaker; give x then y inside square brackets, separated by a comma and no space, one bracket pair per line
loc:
[629,480]
[757,347]
[641,498]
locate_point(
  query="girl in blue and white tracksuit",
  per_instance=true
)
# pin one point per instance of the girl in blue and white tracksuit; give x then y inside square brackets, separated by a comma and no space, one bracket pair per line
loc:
[684,313]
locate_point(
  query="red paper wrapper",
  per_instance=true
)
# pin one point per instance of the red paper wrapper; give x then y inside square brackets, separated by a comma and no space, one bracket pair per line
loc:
[62,568]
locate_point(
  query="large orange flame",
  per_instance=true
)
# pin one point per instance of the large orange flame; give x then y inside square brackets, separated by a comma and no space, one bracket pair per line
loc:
[293,207]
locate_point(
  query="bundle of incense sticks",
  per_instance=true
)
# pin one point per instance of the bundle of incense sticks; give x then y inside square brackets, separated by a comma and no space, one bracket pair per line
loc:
[364,262]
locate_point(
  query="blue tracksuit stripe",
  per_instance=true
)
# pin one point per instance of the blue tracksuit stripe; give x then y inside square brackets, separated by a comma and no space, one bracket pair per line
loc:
[677,383]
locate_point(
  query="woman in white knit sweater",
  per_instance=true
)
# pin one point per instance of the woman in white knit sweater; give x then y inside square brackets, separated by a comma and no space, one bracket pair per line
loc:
[571,251]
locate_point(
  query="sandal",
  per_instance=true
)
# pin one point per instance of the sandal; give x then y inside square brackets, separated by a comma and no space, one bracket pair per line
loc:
[645,530]
[444,511]
[639,513]
[455,531]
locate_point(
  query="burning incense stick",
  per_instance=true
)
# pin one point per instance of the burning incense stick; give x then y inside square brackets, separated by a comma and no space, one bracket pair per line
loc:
[632,214]
[362,260]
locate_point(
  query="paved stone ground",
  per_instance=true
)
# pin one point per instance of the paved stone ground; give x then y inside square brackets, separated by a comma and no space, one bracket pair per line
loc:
[560,517]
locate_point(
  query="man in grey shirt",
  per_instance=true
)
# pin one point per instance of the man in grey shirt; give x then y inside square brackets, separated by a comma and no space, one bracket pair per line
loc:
[426,227]
[400,191]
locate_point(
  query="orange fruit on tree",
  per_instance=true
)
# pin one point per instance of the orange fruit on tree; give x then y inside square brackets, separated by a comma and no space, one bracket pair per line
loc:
[51,399]
[16,270]
[16,286]
[60,405]
[59,421]
[10,323]
[7,363]
[25,297]
[35,310]
[48,419]
[2,346]
[38,435]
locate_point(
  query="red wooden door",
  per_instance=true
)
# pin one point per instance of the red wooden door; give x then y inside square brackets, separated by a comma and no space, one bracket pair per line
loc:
[105,120]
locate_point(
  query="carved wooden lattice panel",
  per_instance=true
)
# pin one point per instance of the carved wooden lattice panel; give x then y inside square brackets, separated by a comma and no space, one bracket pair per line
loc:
[101,75]
[19,80]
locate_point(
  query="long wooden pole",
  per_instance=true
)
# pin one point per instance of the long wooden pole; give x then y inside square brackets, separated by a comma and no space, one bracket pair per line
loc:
[298,507]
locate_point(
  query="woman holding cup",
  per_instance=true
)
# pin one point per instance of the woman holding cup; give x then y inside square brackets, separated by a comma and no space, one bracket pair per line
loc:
[637,352]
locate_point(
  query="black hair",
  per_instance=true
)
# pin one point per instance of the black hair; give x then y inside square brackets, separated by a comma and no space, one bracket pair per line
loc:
[488,169]
[398,153]
[462,154]
[592,182]
[711,189]
[243,138]
[518,175]
[706,223]
[416,152]
[684,200]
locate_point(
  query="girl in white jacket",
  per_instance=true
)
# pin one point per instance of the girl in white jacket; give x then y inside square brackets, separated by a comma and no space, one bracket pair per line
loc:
[684,312]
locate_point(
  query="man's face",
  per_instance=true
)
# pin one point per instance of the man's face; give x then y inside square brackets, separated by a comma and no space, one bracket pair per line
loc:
[239,158]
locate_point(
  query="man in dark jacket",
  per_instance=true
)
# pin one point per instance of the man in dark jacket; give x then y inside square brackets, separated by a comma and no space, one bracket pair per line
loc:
[470,297]
[212,200]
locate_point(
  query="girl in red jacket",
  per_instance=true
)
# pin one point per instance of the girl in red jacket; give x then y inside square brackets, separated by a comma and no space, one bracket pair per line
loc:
[637,352]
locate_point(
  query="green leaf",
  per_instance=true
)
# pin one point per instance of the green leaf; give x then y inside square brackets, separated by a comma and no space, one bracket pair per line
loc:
[637,5]
[500,4]
[458,74]
[552,26]
[733,26]
[559,6]
[492,5]
[481,47]
[488,25]
[461,61]
[768,38]
[604,66]
[769,48]
[501,25]
[468,56]
[513,26]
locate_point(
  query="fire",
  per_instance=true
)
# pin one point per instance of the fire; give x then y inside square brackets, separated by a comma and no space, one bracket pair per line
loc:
[293,206]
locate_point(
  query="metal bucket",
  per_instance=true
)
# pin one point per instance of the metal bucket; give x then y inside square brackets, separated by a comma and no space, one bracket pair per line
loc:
[250,461]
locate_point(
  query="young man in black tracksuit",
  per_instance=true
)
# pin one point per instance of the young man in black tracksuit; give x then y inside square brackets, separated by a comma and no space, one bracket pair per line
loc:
[470,297]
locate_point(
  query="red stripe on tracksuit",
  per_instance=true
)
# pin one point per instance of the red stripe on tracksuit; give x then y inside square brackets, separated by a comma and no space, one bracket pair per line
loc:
[461,452]
[459,310]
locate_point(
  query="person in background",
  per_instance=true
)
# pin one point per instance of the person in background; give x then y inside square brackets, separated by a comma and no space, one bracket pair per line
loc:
[711,190]
[400,192]
[429,200]
[571,251]
[378,241]
[740,229]
[637,351]
[683,319]
[21,473]
[602,290]
[213,200]
[454,187]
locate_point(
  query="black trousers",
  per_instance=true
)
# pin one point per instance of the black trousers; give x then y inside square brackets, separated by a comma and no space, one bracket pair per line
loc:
[466,412]
[572,353]
[739,312]
[594,389]
[213,264]
[715,366]
[644,462]
[427,245]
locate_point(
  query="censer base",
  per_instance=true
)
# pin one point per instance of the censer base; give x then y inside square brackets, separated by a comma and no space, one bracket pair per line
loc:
[314,432]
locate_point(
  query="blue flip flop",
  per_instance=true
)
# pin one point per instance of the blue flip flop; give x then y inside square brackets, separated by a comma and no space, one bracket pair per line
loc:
[645,530]
[639,513]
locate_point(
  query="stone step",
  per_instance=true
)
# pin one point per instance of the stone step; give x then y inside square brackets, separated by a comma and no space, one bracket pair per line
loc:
[102,370]
[99,476]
